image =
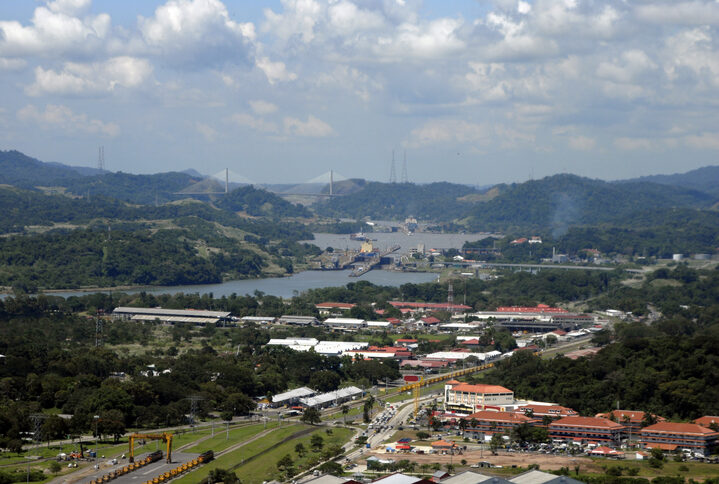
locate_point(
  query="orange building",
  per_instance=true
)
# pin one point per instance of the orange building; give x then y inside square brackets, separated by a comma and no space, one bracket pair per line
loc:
[677,436]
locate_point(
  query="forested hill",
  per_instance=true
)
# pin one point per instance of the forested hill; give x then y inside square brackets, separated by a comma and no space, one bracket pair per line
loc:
[705,179]
[561,201]
[257,202]
[23,171]
[436,201]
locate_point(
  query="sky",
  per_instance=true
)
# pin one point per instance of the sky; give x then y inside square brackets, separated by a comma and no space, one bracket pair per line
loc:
[473,91]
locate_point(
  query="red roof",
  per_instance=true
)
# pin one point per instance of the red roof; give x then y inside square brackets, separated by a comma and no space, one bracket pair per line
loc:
[473,341]
[430,320]
[707,420]
[489,415]
[596,422]
[421,305]
[679,428]
[634,416]
[539,308]
[406,340]
[604,450]
[336,305]
[443,443]
[559,332]
[466,387]
[394,320]
[520,240]
[403,447]
[551,410]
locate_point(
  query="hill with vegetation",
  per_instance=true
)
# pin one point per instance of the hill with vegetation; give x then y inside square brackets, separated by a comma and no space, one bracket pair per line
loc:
[561,201]
[705,179]
[397,201]
[259,203]
[23,171]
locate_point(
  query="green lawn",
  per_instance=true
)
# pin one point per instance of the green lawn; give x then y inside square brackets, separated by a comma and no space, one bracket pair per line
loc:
[221,442]
[669,468]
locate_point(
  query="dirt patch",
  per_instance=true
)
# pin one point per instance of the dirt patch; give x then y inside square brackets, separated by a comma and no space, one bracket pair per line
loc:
[545,462]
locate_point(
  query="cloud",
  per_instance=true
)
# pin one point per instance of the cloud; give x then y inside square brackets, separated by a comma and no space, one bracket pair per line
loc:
[692,50]
[89,79]
[633,63]
[262,107]
[275,71]
[631,144]
[449,131]
[258,124]
[681,13]
[703,141]
[64,119]
[207,132]
[582,143]
[197,33]
[313,127]
[12,64]
[55,30]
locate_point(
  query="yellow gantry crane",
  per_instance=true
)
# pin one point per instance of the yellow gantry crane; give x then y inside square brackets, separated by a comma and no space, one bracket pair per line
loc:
[165,437]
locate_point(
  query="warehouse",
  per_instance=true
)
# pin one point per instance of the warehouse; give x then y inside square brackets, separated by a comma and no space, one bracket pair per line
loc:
[332,398]
[291,397]
[172,316]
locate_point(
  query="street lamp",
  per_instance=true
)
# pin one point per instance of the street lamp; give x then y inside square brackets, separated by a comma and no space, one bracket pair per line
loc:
[96,418]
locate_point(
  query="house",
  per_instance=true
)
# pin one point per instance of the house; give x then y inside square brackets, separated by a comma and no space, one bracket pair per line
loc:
[604,451]
[539,477]
[672,436]
[406,342]
[439,475]
[469,477]
[399,478]
[582,430]
[443,447]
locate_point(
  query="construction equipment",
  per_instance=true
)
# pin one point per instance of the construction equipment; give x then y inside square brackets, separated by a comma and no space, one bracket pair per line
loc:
[165,437]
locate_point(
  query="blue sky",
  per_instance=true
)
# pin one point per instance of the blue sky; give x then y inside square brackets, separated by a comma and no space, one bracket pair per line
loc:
[475,92]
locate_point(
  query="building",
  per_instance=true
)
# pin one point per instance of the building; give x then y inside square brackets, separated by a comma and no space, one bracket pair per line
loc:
[423,306]
[552,411]
[468,398]
[291,320]
[584,430]
[708,421]
[485,423]
[332,398]
[327,308]
[345,324]
[258,319]
[469,477]
[539,477]
[291,397]
[672,436]
[633,420]
[172,316]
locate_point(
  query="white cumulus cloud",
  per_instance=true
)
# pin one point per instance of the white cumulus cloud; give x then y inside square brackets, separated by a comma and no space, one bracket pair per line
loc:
[313,127]
[64,119]
[275,71]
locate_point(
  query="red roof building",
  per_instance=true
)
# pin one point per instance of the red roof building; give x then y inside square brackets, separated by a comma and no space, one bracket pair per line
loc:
[604,451]
[552,411]
[471,398]
[327,308]
[707,421]
[539,308]
[405,342]
[582,430]
[674,436]
[430,320]
[423,306]
[487,422]
[632,419]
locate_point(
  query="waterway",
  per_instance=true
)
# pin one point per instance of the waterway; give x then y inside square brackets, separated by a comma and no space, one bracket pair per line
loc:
[284,287]
[287,287]
[403,240]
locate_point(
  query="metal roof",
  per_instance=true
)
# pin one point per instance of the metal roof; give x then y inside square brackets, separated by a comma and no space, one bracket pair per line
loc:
[469,477]
[175,319]
[539,477]
[296,393]
[331,396]
[172,312]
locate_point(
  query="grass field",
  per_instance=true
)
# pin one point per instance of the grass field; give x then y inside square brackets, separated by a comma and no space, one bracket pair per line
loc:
[220,441]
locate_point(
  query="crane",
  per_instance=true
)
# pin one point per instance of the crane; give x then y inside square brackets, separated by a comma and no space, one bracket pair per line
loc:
[165,437]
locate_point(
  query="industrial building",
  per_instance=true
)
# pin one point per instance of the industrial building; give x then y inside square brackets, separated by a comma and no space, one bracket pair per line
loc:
[345,324]
[298,320]
[291,397]
[172,316]
[332,398]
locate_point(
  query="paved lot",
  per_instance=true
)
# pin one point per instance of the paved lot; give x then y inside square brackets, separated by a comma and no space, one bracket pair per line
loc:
[144,473]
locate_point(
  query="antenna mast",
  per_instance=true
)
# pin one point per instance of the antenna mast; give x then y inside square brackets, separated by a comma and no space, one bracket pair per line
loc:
[227,180]
[101,158]
[404,168]
[392,172]
[331,182]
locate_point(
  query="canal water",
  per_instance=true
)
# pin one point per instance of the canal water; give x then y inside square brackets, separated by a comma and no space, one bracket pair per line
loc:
[403,240]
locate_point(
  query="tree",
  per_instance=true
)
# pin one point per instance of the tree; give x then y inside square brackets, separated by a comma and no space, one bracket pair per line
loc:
[463,425]
[332,468]
[286,466]
[317,442]
[112,422]
[345,411]
[311,416]
[422,435]
[495,443]
[55,467]
[300,450]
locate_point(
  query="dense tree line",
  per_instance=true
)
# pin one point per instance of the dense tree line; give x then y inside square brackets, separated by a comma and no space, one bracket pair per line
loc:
[257,202]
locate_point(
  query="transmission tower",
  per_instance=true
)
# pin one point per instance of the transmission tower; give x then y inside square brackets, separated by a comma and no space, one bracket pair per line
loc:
[98,332]
[101,158]
[194,401]
[37,421]
[450,297]
[392,171]
[404,168]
